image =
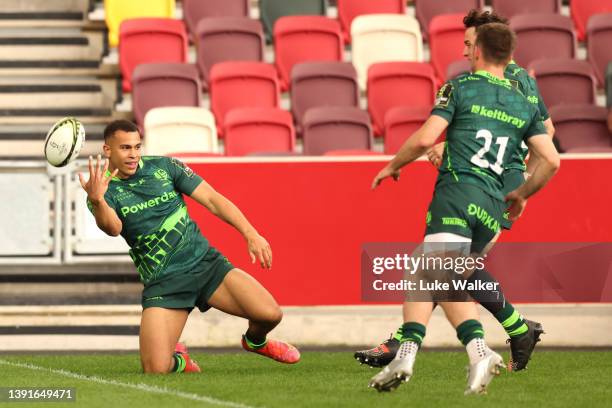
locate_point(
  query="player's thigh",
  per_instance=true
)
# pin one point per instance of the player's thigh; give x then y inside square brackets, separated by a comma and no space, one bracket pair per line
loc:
[241,295]
[160,329]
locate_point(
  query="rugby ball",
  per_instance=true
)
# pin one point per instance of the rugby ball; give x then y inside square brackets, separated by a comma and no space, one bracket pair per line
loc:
[64,142]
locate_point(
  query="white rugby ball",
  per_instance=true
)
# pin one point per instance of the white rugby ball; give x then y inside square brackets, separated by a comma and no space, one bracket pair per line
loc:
[64,142]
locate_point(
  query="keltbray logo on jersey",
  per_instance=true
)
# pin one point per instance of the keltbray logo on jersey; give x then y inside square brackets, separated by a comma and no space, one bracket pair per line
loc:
[483,216]
[454,221]
[498,115]
[133,209]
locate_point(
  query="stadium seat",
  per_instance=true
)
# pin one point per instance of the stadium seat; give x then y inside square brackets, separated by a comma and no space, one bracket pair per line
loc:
[582,10]
[242,85]
[457,68]
[179,129]
[349,9]
[400,123]
[511,8]
[116,11]
[352,152]
[564,81]
[316,84]
[426,10]
[147,40]
[227,39]
[164,84]
[543,36]
[196,10]
[336,128]
[579,127]
[258,130]
[384,38]
[392,84]
[599,44]
[272,10]
[446,34]
[305,38]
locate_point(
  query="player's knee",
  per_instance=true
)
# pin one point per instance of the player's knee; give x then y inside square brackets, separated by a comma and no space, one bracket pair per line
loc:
[156,366]
[272,316]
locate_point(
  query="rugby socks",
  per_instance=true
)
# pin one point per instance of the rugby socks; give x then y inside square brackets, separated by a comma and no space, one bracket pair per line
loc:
[398,334]
[254,345]
[512,321]
[414,332]
[504,312]
[471,335]
[179,363]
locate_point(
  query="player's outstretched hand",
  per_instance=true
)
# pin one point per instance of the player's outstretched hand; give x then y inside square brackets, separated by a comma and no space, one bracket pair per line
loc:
[435,154]
[387,171]
[517,205]
[260,250]
[98,181]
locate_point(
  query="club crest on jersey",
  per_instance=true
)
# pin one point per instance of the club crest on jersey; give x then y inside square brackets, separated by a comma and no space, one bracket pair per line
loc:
[443,95]
[161,174]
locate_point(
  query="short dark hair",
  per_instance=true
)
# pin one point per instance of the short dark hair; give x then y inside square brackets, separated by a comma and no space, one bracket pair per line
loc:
[119,124]
[476,18]
[497,42]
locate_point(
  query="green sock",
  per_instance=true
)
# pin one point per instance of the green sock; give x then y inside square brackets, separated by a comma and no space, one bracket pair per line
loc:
[398,334]
[179,363]
[469,330]
[513,322]
[413,331]
[252,345]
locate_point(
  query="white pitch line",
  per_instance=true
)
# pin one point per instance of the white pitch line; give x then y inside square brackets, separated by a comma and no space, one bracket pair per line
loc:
[141,387]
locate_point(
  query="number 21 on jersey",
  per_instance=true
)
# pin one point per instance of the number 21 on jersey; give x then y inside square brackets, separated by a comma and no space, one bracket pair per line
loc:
[479,158]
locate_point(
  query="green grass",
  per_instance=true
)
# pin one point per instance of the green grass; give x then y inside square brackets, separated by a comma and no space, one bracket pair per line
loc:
[554,379]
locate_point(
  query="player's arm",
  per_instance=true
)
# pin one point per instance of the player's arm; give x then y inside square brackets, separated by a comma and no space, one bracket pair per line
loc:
[532,163]
[97,185]
[548,164]
[259,249]
[413,148]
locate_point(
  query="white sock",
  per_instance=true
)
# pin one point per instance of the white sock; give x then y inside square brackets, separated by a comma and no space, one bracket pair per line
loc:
[407,348]
[477,349]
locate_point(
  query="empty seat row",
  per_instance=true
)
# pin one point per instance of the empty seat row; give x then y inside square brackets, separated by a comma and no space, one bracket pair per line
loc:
[170,130]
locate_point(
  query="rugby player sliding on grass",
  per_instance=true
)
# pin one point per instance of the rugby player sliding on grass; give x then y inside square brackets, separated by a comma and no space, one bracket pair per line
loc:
[141,198]
[487,120]
[523,334]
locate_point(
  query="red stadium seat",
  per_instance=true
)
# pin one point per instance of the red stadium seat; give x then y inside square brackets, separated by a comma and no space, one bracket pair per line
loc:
[196,10]
[580,127]
[565,81]
[426,10]
[353,152]
[400,123]
[349,9]
[511,8]
[272,10]
[144,40]
[258,130]
[227,39]
[336,128]
[316,84]
[305,38]
[543,36]
[242,85]
[164,84]
[582,10]
[446,34]
[457,68]
[392,84]
[599,44]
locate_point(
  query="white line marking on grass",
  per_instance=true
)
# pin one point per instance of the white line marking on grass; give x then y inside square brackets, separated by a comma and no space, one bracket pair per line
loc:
[140,386]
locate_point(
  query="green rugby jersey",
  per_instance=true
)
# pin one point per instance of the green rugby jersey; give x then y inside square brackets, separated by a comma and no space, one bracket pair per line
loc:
[488,120]
[520,78]
[162,237]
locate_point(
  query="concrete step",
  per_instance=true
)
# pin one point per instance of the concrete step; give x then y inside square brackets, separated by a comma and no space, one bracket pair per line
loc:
[43,12]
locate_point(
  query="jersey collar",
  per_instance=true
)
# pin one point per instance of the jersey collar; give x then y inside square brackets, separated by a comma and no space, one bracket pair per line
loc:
[493,78]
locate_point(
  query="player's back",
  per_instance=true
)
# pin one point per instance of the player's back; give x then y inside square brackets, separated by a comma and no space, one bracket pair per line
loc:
[488,120]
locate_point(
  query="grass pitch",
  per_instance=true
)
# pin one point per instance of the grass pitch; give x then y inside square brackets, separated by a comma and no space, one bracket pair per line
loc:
[321,379]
